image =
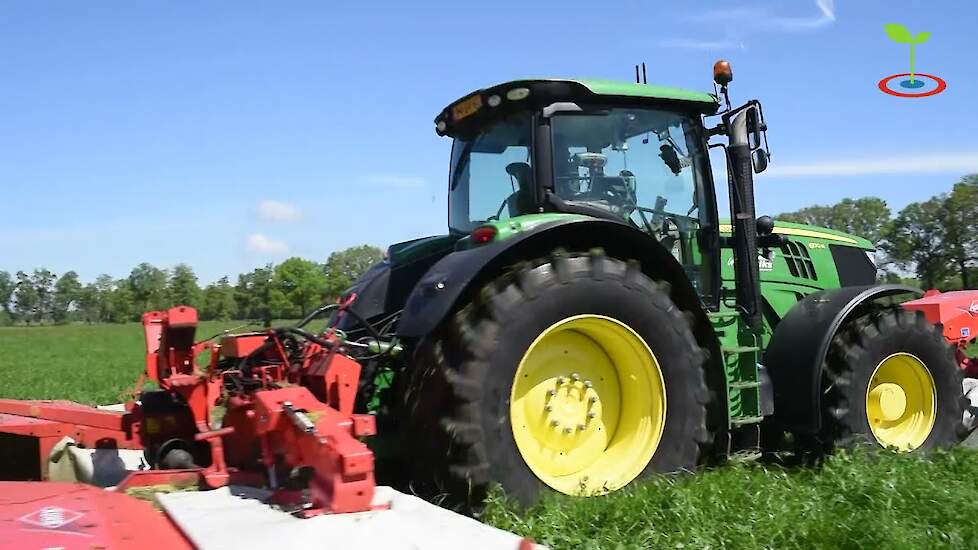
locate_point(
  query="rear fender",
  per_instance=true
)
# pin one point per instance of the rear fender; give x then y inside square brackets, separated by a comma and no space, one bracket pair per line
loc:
[796,354]
[461,273]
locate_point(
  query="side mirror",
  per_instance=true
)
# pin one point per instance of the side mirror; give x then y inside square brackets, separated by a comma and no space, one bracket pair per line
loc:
[759,159]
[755,125]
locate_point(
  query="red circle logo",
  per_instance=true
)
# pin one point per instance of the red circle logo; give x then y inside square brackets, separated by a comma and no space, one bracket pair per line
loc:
[941,86]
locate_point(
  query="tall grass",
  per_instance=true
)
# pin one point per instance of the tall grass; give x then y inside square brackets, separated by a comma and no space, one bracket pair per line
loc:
[860,500]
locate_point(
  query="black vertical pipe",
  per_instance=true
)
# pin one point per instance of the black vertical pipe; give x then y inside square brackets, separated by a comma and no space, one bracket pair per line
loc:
[744,219]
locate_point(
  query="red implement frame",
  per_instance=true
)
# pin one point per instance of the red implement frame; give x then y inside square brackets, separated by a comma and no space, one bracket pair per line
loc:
[957,313]
[297,411]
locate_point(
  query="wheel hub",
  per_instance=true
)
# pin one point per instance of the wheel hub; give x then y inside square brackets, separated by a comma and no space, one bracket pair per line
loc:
[891,400]
[587,405]
[572,409]
[901,402]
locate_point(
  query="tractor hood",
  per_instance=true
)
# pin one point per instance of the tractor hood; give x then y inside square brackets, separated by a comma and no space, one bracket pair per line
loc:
[829,236]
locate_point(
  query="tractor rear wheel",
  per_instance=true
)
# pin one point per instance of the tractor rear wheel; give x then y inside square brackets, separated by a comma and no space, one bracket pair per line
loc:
[892,381]
[577,373]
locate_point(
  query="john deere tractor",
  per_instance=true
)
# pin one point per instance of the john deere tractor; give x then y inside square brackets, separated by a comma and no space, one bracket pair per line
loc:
[590,318]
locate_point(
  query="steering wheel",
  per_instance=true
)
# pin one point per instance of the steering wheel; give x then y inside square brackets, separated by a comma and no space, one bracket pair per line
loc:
[609,190]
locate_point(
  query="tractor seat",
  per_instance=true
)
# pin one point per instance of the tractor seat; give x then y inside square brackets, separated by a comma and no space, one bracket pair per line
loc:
[524,200]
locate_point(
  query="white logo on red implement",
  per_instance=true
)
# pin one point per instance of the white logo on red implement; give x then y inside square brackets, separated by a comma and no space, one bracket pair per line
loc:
[972,309]
[51,517]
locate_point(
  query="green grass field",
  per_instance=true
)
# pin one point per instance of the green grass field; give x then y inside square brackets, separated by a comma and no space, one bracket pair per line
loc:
[878,500]
[854,501]
[93,364]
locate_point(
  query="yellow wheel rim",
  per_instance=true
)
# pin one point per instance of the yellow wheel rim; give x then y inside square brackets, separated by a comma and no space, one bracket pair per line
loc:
[901,402]
[588,405]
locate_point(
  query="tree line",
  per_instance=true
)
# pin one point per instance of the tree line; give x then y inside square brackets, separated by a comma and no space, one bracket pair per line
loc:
[288,290]
[932,242]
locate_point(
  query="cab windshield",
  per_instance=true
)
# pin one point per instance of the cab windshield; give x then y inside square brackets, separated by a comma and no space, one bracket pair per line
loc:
[646,167]
[491,176]
[637,164]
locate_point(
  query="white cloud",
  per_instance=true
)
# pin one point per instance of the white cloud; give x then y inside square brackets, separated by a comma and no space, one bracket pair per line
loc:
[763,17]
[931,163]
[689,44]
[260,244]
[395,180]
[278,212]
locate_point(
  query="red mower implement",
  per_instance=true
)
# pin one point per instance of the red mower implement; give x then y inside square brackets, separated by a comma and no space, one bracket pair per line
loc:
[957,313]
[287,400]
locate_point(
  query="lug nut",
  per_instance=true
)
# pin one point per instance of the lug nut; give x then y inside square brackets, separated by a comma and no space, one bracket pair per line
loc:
[581,427]
[554,423]
[551,393]
[592,414]
[575,377]
[588,384]
[560,380]
[548,408]
[592,400]
[567,430]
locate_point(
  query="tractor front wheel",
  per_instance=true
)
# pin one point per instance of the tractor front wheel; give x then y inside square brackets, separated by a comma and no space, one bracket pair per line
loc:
[579,374]
[892,381]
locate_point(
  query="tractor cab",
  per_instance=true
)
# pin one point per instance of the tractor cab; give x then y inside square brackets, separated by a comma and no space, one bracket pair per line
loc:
[626,152]
[636,154]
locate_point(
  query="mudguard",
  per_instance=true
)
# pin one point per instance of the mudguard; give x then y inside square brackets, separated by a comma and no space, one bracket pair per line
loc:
[797,351]
[444,284]
[383,289]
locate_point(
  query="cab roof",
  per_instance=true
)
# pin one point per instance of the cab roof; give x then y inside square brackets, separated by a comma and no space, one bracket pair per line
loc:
[474,110]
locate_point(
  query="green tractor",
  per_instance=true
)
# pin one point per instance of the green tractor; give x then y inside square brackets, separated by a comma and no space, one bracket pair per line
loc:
[590,318]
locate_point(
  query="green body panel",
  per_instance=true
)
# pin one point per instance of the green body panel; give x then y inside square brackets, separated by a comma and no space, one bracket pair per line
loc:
[781,289]
[809,254]
[407,251]
[520,224]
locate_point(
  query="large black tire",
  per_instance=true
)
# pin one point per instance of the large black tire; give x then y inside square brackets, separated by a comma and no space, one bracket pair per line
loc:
[854,356]
[455,407]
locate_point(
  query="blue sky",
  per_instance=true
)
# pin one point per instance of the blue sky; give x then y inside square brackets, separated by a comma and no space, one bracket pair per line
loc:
[230,134]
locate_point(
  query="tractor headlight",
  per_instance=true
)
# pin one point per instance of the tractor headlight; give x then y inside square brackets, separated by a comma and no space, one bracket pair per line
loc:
[517,94]
[871,254]
[494,100]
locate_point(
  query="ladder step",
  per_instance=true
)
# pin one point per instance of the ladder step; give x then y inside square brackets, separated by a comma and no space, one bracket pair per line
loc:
[738,349]
[744,385]
[722,314]
[741,420]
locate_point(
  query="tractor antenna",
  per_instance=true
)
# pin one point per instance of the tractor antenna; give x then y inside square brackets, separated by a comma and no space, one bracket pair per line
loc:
[645,80]
[637,81]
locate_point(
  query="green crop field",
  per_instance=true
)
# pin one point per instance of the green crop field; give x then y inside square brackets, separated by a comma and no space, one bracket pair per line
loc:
[866,500]
[93,364]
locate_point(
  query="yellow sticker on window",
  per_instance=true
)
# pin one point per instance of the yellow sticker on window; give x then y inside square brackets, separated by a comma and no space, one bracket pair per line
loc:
[466,107]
